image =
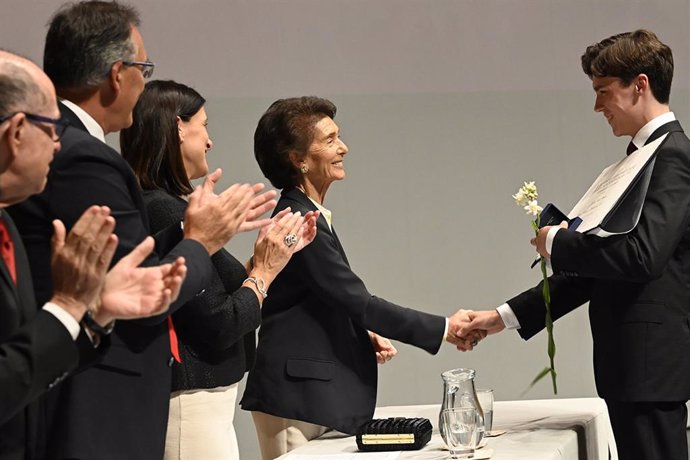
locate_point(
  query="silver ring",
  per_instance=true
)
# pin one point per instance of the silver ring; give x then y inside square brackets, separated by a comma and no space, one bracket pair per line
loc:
[290,239]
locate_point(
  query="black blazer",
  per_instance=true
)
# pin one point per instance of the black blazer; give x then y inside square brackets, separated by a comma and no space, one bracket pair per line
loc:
[36,353]
[216,328]
[119,408]
[314,359]
[637,285]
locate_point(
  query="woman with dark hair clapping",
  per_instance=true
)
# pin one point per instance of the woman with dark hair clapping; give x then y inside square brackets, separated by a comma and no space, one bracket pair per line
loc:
[167,146]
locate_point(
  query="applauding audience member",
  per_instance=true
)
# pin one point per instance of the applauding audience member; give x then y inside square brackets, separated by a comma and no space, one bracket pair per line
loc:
[95,56]
[39,348]
[167,146]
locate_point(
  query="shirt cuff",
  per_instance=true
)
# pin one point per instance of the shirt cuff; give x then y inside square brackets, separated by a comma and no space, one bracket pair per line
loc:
[65,318]
[508,316]
[549,238]
[445,333]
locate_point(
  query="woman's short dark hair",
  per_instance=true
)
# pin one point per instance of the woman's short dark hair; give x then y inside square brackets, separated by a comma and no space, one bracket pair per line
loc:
[288,127]
[629,54]
[152,144]
[84,39]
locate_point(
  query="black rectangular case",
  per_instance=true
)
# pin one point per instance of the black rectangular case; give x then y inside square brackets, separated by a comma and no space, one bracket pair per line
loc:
[395,433]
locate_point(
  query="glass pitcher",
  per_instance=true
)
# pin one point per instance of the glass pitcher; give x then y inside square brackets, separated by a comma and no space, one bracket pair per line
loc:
[459,392]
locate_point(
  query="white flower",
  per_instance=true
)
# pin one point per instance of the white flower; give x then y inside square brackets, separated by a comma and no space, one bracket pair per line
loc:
[520,198]
[526,193]
[530,189]
[533,208]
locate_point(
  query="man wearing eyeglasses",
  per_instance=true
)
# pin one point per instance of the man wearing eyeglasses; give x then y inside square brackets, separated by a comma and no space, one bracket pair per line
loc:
[40,348]
[95,56]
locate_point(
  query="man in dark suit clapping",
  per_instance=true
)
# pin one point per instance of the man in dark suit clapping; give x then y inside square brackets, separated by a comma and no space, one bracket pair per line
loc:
[95,56]
[40,348]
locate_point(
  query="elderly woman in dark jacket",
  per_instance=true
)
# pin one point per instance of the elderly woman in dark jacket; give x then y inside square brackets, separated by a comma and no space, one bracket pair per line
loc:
[318,345]
[167,146]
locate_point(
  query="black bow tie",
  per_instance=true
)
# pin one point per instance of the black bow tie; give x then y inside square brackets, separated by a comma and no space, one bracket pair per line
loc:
[631,148]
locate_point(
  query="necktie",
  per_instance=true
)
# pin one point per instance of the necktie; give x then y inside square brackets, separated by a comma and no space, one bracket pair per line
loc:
[7,250]
[631,148]
[174,347]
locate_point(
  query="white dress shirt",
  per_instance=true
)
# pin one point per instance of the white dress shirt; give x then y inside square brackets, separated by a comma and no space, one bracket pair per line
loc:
[91,125]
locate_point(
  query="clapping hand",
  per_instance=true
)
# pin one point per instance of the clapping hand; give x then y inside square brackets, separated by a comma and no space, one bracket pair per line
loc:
[274,247]
[131,291]
[213,219]
[260,204]
[79,264]
[308,227]
[81,258]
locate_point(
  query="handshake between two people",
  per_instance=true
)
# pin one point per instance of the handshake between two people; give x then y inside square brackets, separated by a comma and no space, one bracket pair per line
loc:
[466,328]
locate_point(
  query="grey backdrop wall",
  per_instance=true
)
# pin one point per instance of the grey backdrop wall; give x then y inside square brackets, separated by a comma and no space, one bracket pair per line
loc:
[447,106]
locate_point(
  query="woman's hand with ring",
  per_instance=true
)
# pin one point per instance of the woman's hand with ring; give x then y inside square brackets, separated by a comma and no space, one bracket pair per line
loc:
[271,250]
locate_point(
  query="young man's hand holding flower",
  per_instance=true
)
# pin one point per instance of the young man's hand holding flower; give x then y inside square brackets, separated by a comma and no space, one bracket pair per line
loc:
[542,237]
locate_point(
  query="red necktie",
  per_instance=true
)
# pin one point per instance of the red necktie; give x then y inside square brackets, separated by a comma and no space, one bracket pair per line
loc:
[7,250]
[174,348]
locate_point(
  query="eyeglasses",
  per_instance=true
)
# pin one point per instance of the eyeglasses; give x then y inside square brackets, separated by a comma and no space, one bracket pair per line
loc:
[59,124]
[146,67]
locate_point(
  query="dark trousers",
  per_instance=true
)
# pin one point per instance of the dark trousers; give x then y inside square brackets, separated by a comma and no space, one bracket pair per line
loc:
[649,430]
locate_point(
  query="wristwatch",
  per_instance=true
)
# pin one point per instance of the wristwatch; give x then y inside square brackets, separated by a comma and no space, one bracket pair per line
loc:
[97,331]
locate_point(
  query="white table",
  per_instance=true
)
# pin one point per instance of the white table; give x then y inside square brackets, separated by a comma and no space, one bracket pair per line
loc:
[549,429]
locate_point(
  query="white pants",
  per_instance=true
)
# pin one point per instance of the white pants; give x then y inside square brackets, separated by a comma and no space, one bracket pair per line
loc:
[278,436]
[200,425]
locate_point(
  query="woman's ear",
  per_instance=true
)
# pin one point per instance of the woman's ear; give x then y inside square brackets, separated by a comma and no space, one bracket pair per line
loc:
[180,129]
[296,159]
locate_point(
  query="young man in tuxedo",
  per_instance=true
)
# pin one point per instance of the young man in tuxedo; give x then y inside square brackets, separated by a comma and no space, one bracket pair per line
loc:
[95,56]
[40,348]
[637,284]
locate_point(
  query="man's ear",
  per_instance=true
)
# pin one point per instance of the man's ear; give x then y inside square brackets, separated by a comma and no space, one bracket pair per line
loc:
[12,139]
[641,83]
[18,130]
[114,79]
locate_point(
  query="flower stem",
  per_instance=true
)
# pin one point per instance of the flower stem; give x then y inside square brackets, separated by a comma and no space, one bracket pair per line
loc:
[548,321]
[551,346]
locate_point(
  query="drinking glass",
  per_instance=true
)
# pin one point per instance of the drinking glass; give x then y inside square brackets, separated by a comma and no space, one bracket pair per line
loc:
[486,400]
[461,430]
